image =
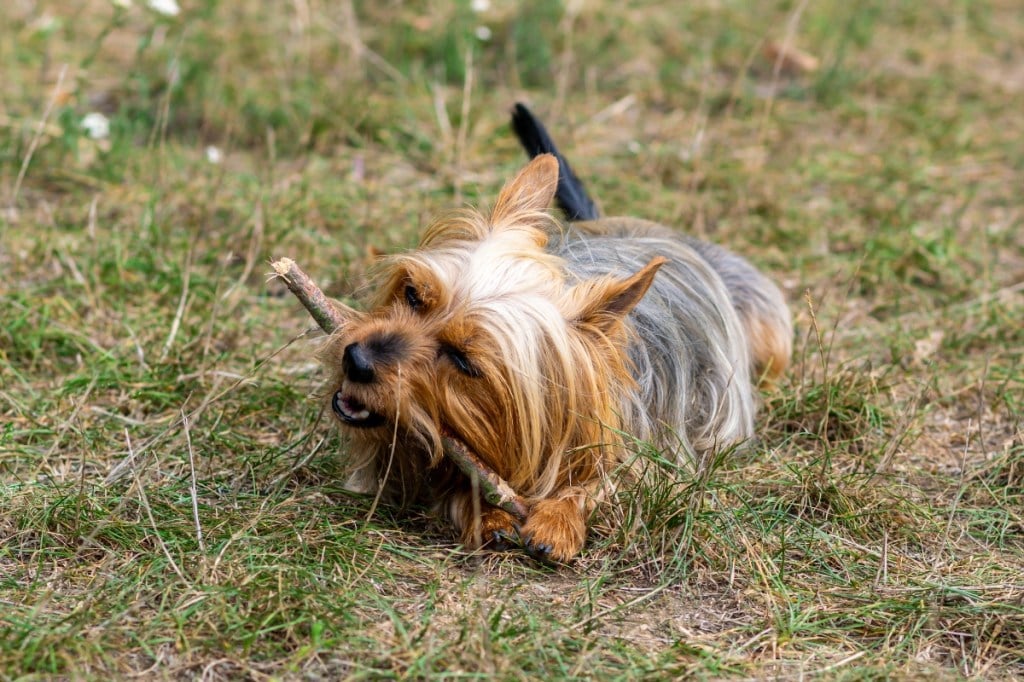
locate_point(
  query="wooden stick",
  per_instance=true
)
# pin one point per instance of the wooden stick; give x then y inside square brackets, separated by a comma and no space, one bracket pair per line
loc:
[494,488]
[328,315]
[332,316]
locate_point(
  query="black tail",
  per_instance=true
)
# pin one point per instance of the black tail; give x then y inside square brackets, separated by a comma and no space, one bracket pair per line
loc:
[571,196]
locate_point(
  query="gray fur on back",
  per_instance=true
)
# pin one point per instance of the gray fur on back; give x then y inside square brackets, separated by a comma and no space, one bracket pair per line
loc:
[690,353]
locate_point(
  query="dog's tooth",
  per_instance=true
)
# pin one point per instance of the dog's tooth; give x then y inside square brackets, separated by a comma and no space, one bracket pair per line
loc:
[346,409]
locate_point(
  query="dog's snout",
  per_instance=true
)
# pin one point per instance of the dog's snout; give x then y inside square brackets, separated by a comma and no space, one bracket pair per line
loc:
[358,363]
[386,347]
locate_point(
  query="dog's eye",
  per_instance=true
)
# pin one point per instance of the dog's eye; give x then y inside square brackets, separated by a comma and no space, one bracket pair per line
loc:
[412,297]
[459,359]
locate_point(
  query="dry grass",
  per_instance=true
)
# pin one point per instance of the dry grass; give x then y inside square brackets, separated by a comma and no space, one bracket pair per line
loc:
[876,531]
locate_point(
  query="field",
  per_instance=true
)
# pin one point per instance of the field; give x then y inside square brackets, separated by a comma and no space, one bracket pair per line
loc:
[171,494]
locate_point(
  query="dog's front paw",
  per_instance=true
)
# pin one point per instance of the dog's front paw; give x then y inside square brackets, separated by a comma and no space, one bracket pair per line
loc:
[493,529]
[555,530]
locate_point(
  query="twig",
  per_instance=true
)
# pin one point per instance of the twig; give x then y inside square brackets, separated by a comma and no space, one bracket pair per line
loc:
[38,134]
[182,302]
[332,316]
[149,513]
[494,488]
[193,492]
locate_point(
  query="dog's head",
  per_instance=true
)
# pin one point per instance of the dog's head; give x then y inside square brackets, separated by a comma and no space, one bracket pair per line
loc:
[479,333]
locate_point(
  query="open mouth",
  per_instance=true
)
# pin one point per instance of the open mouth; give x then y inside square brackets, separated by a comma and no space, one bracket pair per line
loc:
[355,413]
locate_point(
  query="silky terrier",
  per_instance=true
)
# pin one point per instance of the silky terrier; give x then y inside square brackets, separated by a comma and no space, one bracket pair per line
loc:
[549,349]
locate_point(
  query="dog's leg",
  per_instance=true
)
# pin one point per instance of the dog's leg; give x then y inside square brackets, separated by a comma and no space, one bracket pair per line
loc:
[481,524]
[557,527]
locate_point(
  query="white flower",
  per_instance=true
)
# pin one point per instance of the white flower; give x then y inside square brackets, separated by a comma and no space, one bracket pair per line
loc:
[96,125]
[45,24]
[214,155]
[479,6]
[483,33]
[168,8]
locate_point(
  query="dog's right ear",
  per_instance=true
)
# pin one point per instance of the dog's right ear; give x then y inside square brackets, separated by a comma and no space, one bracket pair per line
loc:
[601,304]
[530,191]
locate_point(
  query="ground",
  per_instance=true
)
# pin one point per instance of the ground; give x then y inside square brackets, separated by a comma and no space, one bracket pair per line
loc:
[171,498]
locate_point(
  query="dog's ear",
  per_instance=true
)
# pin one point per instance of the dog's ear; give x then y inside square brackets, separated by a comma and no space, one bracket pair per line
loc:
[530,191]
[601,304]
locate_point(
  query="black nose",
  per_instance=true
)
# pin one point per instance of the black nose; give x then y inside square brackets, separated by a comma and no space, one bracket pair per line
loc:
[358,364]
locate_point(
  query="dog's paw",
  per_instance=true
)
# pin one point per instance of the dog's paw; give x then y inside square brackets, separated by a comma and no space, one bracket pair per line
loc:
[494,529]
[555,531]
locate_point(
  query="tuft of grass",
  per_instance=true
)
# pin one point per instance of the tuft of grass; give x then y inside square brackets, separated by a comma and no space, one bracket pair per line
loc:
[172,501]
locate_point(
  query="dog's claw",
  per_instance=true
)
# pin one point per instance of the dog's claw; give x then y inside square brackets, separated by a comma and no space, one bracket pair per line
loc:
[538,550]
[502,541]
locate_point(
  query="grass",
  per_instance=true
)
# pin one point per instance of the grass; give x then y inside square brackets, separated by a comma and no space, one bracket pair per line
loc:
[171,502]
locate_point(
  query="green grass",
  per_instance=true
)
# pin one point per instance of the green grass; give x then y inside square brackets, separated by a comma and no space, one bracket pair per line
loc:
[875,531]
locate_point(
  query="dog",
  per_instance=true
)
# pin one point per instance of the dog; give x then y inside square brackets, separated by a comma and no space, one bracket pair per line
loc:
[549,348]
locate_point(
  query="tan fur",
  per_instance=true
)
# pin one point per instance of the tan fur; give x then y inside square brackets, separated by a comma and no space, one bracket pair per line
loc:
[558,527]
[770,346]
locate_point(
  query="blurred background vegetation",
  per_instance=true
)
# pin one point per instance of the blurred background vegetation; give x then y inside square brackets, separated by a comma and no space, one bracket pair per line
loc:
[156,154]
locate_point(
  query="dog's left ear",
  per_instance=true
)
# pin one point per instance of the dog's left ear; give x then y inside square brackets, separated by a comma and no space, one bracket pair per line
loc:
[603,303]
[530,191]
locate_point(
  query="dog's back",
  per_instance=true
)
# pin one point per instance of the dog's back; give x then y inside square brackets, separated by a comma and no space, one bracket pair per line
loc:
[688,350]
[758,301]
[710,326]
